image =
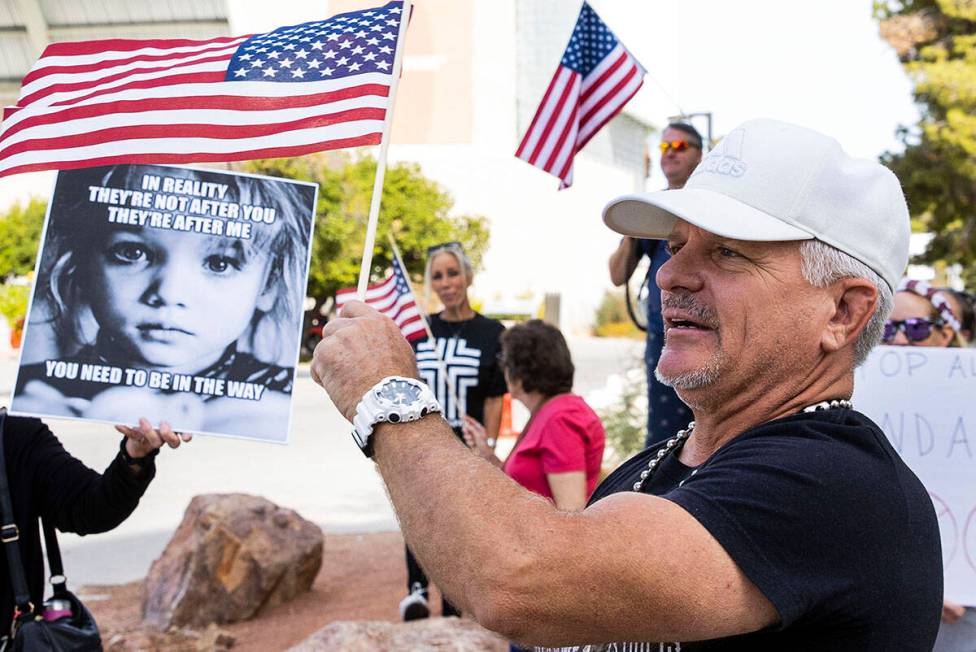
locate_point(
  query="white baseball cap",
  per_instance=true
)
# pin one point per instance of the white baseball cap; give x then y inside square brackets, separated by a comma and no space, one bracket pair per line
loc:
[773,181]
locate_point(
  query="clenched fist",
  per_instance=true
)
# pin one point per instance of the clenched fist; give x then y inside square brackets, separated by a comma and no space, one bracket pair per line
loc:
[358,349]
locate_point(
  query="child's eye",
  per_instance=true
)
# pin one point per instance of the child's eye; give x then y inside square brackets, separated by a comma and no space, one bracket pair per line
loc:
[221,264]
[128,252]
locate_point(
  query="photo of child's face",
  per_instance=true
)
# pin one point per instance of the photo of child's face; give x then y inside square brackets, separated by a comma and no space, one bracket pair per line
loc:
[172,299]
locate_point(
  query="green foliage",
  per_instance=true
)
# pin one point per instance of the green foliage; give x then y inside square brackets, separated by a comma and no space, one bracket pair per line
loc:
[936,40]
[20,233]
[625,420]
[13,303]
[612,319]
[415,210]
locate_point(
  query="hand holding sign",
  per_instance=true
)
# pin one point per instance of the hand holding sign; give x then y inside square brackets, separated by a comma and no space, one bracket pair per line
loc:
[143,439]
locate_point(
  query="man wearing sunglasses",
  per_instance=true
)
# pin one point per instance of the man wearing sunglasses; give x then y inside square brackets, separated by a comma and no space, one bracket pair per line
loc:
[781,518]
[681,151]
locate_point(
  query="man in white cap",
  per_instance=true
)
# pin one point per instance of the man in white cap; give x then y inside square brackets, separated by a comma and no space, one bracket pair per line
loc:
[781,519]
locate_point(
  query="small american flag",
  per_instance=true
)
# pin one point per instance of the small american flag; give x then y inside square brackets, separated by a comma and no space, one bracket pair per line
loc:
[596,77]
[394,298]
[296,90]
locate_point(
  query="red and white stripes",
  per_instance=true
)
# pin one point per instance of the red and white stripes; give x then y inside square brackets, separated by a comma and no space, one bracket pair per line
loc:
[574,109]
[388,298]
[167,101]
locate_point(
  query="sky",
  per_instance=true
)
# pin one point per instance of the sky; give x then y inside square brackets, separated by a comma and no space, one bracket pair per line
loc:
[819,64]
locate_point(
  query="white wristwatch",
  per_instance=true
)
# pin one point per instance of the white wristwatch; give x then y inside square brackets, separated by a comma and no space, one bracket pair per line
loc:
[395,399]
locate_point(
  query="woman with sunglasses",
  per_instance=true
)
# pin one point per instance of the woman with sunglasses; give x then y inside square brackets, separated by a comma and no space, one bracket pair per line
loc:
[927,316]
[924,316]
[460,364]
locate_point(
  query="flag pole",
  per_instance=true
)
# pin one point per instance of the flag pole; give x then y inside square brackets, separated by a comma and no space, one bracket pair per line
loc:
[441,365]
[374,205]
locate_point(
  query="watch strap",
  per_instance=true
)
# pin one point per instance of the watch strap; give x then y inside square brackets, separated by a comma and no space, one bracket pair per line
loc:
[370,411]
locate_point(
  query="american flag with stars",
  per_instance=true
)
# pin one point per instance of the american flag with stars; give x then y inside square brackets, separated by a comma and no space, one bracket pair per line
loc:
[394,298]
[595,79]
[295,90]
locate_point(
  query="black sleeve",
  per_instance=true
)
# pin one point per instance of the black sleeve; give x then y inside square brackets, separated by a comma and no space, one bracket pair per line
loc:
[771,502]
[77,498]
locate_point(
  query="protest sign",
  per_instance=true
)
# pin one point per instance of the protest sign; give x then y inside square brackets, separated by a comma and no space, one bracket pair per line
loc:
[924,399]
[169,293]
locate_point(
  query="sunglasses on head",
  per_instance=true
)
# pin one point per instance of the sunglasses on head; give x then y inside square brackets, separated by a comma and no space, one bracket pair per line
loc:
[674,145]
[915,330]
[444,245]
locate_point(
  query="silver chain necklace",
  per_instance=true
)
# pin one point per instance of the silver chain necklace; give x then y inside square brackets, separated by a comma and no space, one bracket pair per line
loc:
[675,442]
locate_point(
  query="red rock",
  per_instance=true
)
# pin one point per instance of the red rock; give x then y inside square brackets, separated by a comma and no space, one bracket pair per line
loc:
[232,557]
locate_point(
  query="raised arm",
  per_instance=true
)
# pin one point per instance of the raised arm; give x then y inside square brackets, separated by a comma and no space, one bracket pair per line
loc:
[77,498]
[632,567]
[623,261]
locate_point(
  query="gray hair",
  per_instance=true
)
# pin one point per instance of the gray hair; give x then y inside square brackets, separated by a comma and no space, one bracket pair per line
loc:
[822,264]
[455,250]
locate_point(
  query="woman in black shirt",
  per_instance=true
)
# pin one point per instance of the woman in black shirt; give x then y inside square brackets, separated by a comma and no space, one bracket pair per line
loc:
[460,364]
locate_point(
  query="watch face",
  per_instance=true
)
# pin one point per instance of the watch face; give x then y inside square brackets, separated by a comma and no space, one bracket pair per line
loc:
[399,392]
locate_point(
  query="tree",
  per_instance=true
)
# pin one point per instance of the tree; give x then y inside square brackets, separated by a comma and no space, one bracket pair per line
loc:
[20,233]
[415,210]
[936,42]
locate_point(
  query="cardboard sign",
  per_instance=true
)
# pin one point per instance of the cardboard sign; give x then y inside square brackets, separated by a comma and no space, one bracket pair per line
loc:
[924,399]
[169,293]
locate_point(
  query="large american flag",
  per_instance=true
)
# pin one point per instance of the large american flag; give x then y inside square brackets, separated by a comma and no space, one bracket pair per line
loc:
[296,90]
[394,298]
[596,77]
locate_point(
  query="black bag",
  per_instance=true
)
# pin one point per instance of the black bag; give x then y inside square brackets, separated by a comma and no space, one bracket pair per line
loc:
[30,632]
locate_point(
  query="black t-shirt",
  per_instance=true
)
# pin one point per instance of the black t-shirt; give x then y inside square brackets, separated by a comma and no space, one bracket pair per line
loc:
[469,349]
[826,520]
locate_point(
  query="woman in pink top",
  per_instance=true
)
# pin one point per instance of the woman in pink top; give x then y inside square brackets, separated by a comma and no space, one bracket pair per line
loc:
[559,452]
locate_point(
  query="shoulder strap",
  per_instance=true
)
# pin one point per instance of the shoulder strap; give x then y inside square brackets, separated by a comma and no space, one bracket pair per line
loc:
[10,533]
[58,581]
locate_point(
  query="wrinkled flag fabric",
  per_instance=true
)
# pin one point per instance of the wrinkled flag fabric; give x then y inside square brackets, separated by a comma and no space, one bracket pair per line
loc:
[296,90]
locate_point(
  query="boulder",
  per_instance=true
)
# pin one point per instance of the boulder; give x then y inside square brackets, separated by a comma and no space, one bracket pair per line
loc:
[233,556]
[444,634]
[211,639]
